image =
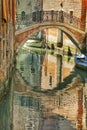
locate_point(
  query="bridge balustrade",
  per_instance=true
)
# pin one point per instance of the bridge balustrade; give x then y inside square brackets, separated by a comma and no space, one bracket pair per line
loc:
[47,16]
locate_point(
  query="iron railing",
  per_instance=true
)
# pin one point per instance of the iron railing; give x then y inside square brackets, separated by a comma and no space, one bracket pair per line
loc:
[47,16]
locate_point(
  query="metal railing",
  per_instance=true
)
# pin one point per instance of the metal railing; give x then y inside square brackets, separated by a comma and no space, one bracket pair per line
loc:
[47,16]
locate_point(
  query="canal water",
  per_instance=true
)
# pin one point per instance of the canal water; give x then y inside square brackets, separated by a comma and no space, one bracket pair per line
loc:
[48,93]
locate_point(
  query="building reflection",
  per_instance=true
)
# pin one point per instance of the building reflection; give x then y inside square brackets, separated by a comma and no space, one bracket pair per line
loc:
[65,108]
[50,72]
[5,113]
[82,111]
[41,71]
[35,111]
[65,102]
[29,66]
[25,112]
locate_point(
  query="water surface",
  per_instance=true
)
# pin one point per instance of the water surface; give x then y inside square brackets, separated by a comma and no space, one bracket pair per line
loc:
[49,93]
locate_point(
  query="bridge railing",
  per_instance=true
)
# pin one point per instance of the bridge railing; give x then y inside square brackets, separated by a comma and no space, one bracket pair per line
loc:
[26,20]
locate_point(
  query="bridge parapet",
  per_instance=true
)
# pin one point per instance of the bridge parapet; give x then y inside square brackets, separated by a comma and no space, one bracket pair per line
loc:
[26,20]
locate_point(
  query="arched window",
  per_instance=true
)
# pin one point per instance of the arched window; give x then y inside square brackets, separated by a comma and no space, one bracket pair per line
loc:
[22,15]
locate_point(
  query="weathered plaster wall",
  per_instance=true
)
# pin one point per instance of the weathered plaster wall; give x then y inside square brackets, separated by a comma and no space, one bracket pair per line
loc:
[68,5]
[28,6]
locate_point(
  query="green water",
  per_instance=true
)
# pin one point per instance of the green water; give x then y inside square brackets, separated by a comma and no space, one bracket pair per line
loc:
[48,93]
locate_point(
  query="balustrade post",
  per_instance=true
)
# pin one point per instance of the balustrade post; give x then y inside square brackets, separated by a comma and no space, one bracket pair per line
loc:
[61,17]
[52,13]
[38,16]
[71,16]
[34,16]
[41,16]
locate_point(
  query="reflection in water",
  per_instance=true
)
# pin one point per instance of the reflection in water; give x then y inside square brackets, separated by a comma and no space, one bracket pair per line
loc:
[49,94]
[40,71]
[5,116]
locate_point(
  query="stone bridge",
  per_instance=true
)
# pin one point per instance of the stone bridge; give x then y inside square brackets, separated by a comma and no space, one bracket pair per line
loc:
[70,25]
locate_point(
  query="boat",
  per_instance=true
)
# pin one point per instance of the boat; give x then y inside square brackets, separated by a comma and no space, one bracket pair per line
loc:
[81,61]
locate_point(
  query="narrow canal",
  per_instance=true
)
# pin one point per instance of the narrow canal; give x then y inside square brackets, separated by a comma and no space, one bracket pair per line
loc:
[47,93]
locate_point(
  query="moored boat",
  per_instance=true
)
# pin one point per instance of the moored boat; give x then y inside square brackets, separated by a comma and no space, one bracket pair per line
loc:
[81,61]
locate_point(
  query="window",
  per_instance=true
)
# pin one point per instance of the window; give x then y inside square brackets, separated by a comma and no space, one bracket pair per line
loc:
[22,15]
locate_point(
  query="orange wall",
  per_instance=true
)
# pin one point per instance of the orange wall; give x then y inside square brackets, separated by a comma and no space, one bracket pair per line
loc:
[83,13]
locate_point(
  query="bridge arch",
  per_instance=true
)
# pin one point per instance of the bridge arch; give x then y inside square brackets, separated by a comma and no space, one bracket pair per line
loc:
[22,35]
[71,37]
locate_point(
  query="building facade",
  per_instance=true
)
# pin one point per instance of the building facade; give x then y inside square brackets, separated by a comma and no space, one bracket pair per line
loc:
[7,26]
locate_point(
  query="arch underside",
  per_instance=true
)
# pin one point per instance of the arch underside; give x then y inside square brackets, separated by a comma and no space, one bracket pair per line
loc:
[24,34]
